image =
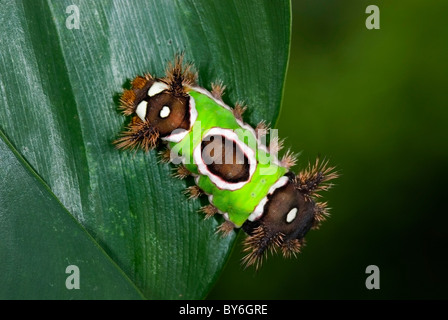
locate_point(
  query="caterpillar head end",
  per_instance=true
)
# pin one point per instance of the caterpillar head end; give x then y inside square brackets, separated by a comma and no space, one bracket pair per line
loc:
[160,107]
[289,213]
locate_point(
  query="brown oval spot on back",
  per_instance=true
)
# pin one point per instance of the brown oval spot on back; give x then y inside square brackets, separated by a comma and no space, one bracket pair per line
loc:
[225,159]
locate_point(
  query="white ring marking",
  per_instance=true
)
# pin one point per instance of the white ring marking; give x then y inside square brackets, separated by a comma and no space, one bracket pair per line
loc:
[218,181]
[258,211]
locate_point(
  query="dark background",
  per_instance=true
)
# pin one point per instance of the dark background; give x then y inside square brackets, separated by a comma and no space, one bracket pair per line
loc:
[375,103]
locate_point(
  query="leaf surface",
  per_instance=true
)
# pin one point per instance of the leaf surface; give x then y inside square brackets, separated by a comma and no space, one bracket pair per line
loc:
[59,90]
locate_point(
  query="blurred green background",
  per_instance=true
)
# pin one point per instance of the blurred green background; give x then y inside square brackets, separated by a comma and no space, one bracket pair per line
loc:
[375,103]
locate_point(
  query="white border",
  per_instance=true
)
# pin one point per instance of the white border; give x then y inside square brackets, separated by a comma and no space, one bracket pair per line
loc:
[258,211]
[218,181]
[242,124]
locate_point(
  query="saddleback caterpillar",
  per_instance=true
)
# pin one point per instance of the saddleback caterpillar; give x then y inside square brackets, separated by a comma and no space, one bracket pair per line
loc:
[243,178]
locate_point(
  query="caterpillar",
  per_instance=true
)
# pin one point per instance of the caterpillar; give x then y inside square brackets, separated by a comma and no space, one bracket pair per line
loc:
[242,177]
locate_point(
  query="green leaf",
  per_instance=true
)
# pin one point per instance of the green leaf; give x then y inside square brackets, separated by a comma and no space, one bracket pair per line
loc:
[40,239]
[59,89]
